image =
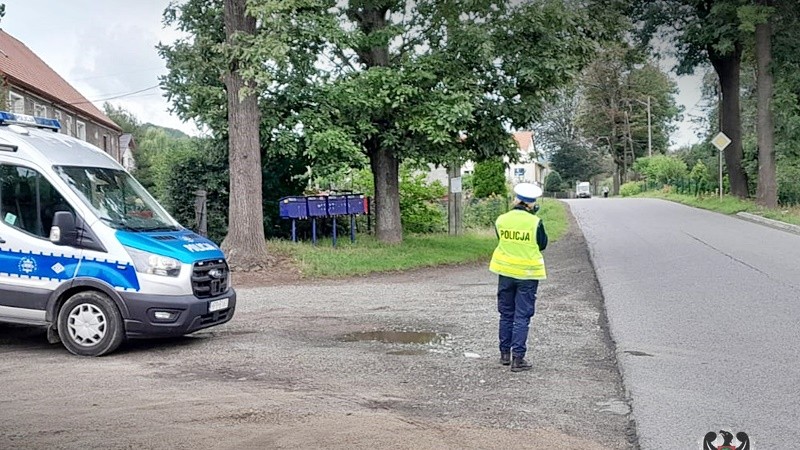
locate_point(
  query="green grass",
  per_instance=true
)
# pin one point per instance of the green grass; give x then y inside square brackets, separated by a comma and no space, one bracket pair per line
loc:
[728,205]
[554,214]
[368,255]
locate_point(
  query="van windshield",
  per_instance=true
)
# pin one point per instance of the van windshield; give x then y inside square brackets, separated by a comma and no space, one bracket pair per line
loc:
[117,198]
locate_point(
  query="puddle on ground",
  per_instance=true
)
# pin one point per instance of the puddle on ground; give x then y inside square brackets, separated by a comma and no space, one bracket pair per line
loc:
[398,337]
[614,407]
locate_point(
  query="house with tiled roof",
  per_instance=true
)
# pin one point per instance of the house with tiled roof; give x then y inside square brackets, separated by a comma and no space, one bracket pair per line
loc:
[30,86]
[531,167]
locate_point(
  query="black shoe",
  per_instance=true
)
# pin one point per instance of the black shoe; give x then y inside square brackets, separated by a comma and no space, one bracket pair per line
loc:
[518,364]
[505,358]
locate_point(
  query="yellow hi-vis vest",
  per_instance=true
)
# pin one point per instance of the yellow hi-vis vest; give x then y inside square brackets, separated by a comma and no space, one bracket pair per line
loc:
[517,254]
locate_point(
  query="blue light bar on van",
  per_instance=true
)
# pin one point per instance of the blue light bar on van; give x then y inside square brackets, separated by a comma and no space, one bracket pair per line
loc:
[7,118]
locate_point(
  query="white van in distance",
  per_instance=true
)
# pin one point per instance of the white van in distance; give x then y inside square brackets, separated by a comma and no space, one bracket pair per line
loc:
[87,253]
[583,190]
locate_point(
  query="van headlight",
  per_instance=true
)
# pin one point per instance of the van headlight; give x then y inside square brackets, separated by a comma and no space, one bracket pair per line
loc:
[146,262]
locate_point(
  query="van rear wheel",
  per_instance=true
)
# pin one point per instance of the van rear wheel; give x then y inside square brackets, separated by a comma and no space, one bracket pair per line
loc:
[89,324]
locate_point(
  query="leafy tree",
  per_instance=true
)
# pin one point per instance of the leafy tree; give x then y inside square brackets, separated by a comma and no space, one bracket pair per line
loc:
[489,178]
[553,182]
[576,161]
[705,32]
[560,137]
[757,18]
[380,82]
[244,245]
[124,118]
[612,114]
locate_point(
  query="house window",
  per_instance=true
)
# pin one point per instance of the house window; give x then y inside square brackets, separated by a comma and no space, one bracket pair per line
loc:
[39,110]
[105,143]
[68,126]
[16,104]
[80,130]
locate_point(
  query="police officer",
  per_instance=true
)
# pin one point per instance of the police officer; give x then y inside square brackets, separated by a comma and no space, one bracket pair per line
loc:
[519,262]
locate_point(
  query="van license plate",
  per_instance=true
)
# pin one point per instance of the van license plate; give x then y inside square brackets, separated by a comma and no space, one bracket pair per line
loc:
[217,305]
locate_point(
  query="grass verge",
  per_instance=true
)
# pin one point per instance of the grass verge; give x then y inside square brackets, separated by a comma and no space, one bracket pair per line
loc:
[729,205]
[367,255]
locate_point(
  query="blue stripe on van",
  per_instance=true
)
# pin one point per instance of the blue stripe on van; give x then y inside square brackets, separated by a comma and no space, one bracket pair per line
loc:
[63,267]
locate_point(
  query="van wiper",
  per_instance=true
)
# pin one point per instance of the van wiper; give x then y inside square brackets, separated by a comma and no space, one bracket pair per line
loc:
[118,224]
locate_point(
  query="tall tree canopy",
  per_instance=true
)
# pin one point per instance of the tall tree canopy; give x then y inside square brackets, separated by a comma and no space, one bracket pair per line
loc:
[616,89]
[706,32]
[376,82]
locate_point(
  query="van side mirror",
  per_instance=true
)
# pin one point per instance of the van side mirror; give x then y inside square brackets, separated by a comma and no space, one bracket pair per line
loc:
[63,231]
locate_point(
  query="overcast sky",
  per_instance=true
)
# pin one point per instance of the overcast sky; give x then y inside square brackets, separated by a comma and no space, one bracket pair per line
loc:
[106,48]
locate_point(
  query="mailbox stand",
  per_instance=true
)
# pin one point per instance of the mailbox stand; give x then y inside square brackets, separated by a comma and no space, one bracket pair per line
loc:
[293,208]
[333,206]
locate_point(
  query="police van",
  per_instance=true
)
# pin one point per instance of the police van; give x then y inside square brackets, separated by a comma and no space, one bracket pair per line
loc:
[87,253]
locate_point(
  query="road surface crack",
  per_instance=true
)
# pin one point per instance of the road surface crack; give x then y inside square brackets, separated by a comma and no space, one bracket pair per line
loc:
[733,258]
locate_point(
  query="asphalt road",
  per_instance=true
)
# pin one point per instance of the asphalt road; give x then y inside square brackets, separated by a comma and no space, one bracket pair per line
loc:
[703,308]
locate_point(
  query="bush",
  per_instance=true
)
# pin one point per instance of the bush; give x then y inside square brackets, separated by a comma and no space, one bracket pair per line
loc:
[553,182]
[480,214]
[630,188]
[204,166]
[661,168]
[489,178]
[420,204]
[788,186]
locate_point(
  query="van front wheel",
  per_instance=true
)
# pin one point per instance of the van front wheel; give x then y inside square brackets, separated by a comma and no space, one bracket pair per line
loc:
[90,324]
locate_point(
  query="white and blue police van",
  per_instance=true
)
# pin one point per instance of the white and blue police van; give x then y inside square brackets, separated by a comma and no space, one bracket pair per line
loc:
[86,251]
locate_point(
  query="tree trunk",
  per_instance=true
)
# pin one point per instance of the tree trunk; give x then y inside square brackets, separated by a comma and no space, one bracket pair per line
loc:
[727,68]
[385,164]
[767,192]
[244,246]
[386,174]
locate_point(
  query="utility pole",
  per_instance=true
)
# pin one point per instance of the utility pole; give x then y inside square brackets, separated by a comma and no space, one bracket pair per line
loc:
[649,130]
[649,127]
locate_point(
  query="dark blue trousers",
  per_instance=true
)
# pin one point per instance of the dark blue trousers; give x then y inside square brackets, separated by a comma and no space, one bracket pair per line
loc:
[516,303]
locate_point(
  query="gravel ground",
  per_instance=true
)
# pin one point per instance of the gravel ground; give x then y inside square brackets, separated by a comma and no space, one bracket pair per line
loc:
[286,372]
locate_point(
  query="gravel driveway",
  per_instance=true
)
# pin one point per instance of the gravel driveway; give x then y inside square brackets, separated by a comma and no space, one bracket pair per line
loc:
[290,371]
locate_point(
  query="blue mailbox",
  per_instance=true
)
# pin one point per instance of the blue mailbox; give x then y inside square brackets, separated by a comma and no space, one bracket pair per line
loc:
[293,208]
[337,205]
[356,204]
[317,206]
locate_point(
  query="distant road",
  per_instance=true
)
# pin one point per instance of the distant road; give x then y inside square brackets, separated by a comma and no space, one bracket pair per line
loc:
[705,311]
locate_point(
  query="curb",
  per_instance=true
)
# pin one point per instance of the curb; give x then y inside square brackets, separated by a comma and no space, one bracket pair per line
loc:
[769,222]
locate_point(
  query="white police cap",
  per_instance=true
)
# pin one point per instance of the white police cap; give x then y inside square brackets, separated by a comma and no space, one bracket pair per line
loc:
[527,192]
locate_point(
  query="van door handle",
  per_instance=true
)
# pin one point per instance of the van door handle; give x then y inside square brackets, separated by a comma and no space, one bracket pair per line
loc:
[2,241]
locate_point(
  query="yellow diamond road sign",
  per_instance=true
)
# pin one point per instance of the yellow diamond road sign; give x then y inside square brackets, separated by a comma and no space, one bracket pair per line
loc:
[721,141]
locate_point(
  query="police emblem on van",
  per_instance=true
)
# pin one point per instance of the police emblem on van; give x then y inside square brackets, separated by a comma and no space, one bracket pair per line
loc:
[27,265]
[217,274]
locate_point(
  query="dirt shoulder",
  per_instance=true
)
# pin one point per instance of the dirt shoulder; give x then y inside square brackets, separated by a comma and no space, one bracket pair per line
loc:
[285,373]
